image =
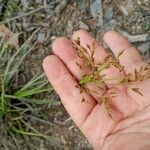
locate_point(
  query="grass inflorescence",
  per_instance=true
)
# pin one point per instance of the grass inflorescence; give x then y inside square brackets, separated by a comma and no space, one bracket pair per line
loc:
[97,77]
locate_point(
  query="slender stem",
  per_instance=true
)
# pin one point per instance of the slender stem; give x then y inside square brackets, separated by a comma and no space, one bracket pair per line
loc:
[25,14]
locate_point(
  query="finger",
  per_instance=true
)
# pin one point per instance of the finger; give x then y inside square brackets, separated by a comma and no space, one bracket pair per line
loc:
[99,55]
[63,48]
[65,86]
[118,43]
[87,39]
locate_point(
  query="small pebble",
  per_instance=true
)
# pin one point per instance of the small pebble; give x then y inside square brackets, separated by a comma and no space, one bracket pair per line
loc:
[82,25]
[144,47]
[96,10]
[41,37]
[39,1]
[109,14]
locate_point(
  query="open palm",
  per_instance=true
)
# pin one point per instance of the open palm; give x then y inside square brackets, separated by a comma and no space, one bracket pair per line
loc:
[129,126]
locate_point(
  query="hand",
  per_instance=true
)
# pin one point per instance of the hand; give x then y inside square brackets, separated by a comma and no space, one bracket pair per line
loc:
[129,126]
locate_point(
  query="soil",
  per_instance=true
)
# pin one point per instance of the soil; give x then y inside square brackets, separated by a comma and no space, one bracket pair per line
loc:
[62,18]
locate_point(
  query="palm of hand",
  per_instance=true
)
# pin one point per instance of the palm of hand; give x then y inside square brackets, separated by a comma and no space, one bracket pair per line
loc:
[130,111]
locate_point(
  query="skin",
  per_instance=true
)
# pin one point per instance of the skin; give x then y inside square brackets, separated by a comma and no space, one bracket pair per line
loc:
[129,126]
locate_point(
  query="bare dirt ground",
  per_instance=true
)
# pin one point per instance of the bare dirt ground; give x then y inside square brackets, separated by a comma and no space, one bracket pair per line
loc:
[56,18]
